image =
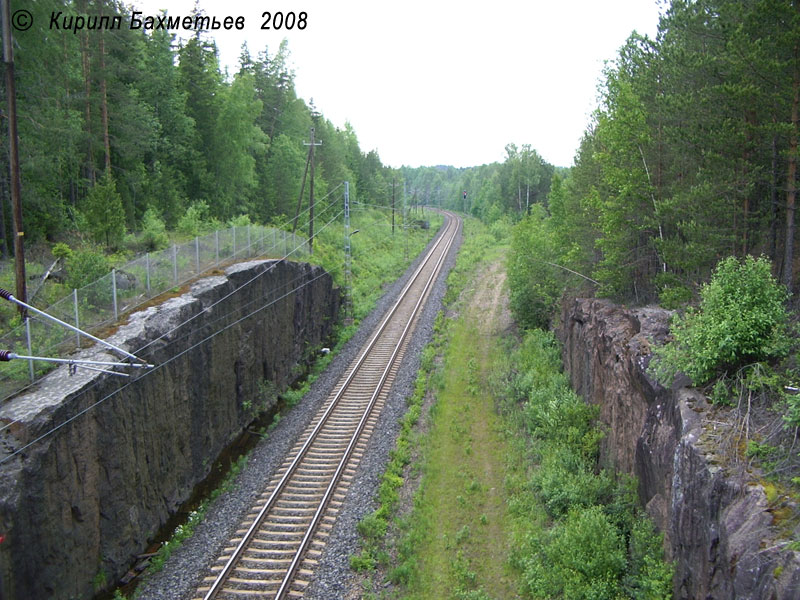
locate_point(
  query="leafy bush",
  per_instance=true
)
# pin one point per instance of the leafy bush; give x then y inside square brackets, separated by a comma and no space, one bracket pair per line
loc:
[583,557]
[62,250]
[154,231]
[674,293]
[85,267]
[533,283]
[564,480]
[193,221]
[501,229]
[649,577]
[742,319]
[240,221]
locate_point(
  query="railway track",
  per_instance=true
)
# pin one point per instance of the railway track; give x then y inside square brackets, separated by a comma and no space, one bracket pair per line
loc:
[276,548]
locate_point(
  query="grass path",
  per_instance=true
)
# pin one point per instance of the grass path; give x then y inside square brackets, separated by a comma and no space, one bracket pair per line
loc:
[462,513]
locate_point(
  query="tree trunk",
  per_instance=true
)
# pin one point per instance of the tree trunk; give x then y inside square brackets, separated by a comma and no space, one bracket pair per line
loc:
[527,198]
[750,122]
[104,102]
[3,194]
[773,199]
[791,173]
[87,80]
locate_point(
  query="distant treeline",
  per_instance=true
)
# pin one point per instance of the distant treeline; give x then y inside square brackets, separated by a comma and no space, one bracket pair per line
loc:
[691,156]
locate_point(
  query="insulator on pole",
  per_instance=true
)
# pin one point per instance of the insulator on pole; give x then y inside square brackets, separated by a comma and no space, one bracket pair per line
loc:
[7,355]
[5,294]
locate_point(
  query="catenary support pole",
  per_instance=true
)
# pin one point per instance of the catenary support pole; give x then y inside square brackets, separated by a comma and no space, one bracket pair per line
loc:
[13,151]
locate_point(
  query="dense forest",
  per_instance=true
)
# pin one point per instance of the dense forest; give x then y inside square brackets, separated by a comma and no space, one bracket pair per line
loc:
[691,156]
[147,123]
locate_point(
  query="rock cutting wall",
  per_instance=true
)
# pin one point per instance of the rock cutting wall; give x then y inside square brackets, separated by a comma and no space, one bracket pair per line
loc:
[718,526]
[120,456]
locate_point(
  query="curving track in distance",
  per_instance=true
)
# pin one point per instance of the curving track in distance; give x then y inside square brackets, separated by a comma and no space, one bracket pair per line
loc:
[274,552]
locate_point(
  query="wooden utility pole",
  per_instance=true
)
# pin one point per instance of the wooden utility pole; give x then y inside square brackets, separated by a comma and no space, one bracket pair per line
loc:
[311,146]
[405,220]
[19,249]
[300,197]
[311,198]
[392,205]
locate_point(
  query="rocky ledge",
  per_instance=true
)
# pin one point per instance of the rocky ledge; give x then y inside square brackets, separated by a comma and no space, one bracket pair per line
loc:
[727,540]
[93,465]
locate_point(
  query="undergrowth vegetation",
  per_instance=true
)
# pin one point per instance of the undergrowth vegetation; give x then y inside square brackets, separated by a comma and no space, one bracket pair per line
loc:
[590,539]
[737,345]
[742,319]
[573,532]
[379,256]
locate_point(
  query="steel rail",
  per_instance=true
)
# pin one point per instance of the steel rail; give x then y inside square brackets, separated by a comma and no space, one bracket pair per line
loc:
[283,589]
[269,504]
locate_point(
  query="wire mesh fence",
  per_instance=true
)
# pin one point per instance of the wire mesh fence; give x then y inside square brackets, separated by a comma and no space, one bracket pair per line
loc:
[102,302]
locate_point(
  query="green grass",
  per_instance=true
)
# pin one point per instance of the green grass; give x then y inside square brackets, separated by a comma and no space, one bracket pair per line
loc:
[510,458]
[378,256]
[463,479]
[461,461]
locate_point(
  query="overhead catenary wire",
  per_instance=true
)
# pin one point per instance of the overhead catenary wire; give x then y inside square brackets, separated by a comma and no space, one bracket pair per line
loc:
[156,368]
[237,290]
[172,358]
[179,339]
[357,204]
[190,348]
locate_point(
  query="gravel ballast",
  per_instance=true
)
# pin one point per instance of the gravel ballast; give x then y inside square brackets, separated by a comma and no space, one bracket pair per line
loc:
[181,575]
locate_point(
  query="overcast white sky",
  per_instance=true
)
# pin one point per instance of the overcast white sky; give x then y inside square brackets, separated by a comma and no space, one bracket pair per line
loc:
[444,82]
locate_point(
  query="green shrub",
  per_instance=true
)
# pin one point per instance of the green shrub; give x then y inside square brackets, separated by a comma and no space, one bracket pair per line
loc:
[362,562]
[674,292]
[61,250]
[534,284]
[742,319]
[193,222]
[103,211]
[649,577]
[85,267]
[240,221]
[154,231]
[581,558]
[372,527]
[501,229]
[565,480]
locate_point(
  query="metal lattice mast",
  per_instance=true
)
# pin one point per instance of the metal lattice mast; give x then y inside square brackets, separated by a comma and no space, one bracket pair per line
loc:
[348,274]
[405,220]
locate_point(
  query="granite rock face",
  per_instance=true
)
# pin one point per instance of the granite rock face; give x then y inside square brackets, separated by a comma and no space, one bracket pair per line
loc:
[111,459]
[718,525]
